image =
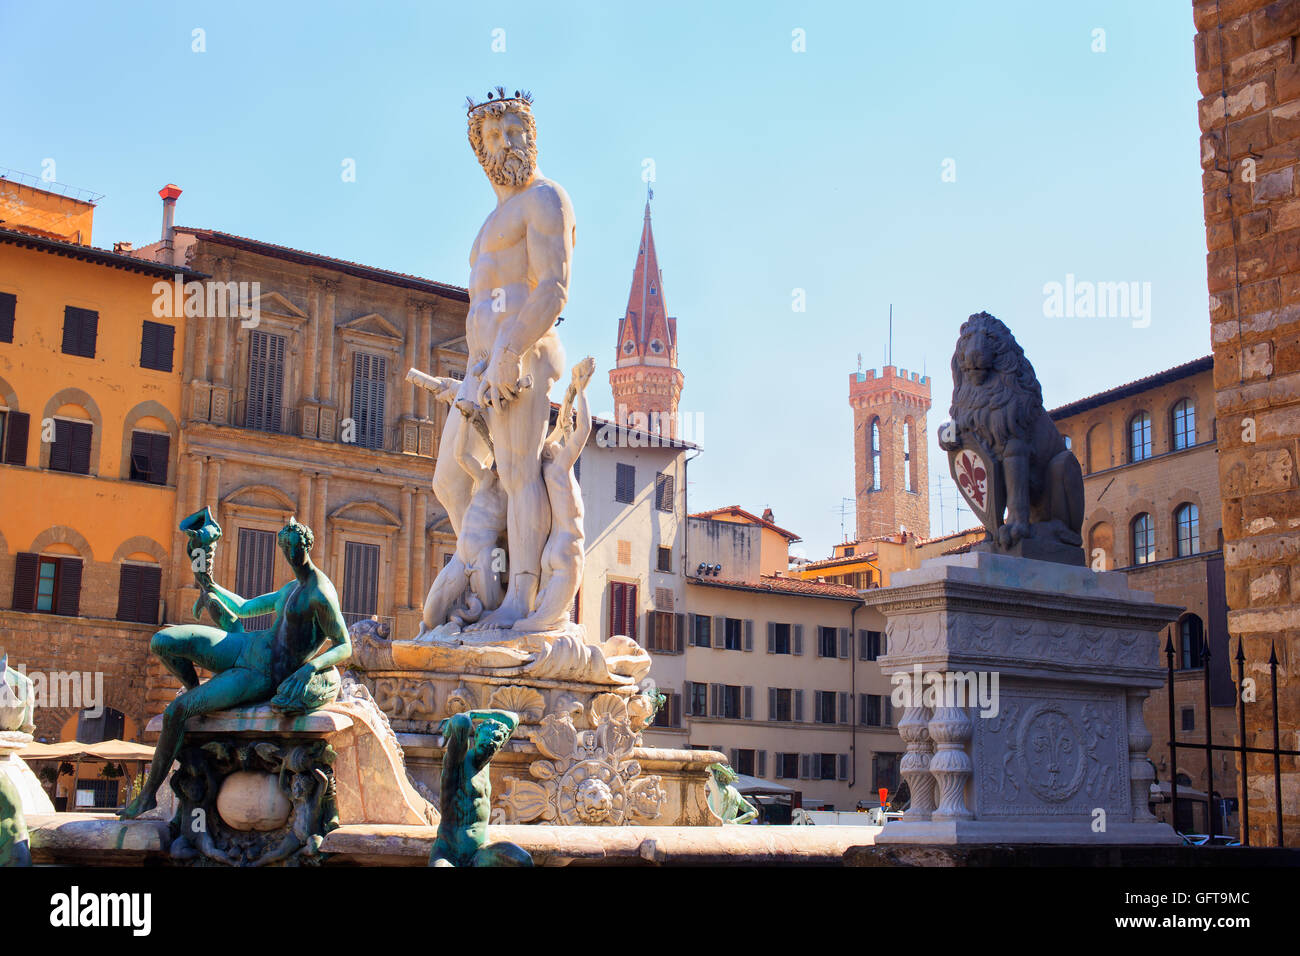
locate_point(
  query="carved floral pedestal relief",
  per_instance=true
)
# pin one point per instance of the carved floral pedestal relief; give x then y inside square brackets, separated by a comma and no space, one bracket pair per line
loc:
[576,758]
[1056,752]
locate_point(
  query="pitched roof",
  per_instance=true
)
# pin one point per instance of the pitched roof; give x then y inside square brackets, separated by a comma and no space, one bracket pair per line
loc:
[771,584]
[646,317]
[1135,387]
[104,257]
[453,292]
[739,512]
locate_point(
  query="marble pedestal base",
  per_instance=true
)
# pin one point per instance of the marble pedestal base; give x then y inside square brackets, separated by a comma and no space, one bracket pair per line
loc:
[33,795]
[1022,685]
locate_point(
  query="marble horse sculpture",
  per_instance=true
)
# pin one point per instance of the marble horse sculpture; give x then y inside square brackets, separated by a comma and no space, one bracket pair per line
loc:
[248,667]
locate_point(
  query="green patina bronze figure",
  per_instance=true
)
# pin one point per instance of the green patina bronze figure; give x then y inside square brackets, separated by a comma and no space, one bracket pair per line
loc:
[472,739]
[14,849]
[248,667]
[725,800]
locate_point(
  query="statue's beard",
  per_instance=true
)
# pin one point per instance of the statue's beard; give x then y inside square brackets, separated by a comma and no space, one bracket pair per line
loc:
[511,167]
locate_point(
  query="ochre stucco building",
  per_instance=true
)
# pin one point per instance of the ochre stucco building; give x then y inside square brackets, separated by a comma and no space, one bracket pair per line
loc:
[90,413]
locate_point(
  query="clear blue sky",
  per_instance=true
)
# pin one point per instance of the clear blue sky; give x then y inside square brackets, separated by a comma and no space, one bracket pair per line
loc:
[775,170]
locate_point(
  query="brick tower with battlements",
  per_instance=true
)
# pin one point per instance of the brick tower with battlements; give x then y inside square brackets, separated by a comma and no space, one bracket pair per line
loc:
[646,381]
[890,442]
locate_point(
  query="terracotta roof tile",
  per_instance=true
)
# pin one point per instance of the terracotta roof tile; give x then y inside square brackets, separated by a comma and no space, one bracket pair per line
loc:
[771,583]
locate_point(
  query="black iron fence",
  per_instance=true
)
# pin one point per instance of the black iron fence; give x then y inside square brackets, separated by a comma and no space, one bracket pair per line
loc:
[1209,747]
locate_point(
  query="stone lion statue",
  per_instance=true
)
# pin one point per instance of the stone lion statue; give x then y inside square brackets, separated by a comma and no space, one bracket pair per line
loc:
[997,411]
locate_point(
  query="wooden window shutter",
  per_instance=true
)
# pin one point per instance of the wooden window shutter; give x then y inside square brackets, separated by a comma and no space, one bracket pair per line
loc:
[805,766]
[748,712]
[715,700]
[778,769]
[651,635]
[798,705]
[80,331]
[79,452]
[89,332]
[719,631]
[733,757]
[265,381]
[624,483]
[798,638]
[8,304]
[845,641]
[749,635]
[631,610]
[69,597]
[688,691]
[159,451]
[616,605]
[128,593]
[15,450]
[771,703]
[674,710]
[883,644]
[679,633]
[843,707]
[61,447]
[771,637]
[156,346]
[887,705]
[150,594]
[664,492]
[760,761]
[843,769]
[25,581]
[862,644]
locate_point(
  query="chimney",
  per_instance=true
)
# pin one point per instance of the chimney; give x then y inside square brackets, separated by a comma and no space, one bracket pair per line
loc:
[169,193]
[767,515]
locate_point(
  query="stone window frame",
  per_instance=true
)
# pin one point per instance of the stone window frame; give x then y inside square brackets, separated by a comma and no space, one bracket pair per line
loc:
[73,396]
[159,411]
[352,341]
[366,522]
[294,328]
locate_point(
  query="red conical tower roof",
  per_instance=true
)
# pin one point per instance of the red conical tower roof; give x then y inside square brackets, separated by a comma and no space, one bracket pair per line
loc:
[646,324]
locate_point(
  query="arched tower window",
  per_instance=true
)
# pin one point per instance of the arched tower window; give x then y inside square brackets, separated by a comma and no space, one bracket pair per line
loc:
[1144,539]
[1187,520]
[875,454]
[1184,422]
[909,469]
[1139,437]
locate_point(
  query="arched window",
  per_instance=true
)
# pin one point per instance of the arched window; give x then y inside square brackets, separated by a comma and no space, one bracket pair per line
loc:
[1139,437]
[875,454]
[1184,424]
[1191,643]
[1144,539]
[1187,518]
[909,473]
[1068,443]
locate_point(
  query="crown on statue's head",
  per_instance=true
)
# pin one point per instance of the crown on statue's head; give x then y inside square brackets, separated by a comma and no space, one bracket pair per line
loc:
[522,99]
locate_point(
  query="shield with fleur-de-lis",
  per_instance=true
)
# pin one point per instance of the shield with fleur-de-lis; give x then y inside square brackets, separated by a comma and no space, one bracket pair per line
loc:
[979,479]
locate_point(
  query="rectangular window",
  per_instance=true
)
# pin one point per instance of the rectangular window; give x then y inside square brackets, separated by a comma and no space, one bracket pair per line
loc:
[661,636]
[744,762]
[149,451]
[622,609]
[732,633]
[664,492]
[156,346]
[624,483]
[265,381]
[884,771]
[779,704]
[871,716]
[8,306]
[825,706]
[730,702]
[360,599]
[787,766]
[70,450]
[369,390]
[778,638]
[670,714]
[700,699]
[138,591]
[80,329]
[869,645]
[1189,718]
[701,630]
[826,766]
[50,585]
[255,571]
[827,646]
[665,560]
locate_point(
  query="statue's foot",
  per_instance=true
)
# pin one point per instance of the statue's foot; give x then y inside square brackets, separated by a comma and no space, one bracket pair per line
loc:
[141,804]
[503,618]
[532,624]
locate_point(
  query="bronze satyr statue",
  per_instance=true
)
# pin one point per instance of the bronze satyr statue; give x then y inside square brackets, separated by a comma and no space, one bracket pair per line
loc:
[472,738]
[248,667]
[1005,452]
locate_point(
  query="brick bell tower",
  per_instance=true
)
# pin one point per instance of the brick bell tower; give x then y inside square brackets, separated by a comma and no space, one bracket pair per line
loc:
[890,443]
[646,381]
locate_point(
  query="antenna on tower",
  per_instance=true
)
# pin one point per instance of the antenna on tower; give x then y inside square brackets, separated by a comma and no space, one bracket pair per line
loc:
[891,333]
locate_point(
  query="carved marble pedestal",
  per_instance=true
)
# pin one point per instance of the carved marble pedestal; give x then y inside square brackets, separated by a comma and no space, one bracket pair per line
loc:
[1059,755]
[576,758]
